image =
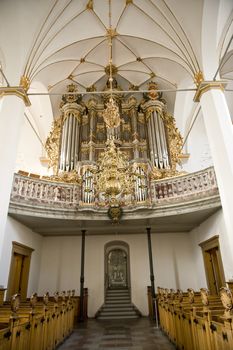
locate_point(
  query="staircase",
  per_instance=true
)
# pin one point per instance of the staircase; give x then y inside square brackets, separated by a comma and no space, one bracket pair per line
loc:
[117,306]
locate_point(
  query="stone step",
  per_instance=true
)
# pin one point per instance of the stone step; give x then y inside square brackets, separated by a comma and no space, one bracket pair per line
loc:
[116,317]
[117,291]
[122,314]
[118,301]
[117,295]
[117,306]
[114,297]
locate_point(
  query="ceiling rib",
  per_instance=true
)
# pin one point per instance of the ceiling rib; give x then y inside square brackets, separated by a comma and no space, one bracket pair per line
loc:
[181,28]
[46,33]
[169,36]
[37,38]
[156,43]
[65,47]
[54,36]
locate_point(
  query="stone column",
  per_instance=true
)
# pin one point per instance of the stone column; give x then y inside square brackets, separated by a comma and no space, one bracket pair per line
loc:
[219,130]
[81,314]
[152,278]
[11,120]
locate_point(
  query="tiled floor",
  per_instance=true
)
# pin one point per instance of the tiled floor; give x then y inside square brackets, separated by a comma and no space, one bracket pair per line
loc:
[139,334]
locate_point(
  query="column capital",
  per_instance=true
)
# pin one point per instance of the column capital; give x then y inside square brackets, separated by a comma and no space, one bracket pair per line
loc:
[18,91]
[206,85]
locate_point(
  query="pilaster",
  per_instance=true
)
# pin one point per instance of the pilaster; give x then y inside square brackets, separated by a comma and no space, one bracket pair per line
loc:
[11,119]
[220,135]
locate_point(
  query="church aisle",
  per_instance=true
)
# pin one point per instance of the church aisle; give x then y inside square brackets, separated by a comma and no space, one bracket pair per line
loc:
[139,334]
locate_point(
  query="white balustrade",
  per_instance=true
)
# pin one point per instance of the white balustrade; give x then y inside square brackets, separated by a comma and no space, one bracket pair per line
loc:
[55,194]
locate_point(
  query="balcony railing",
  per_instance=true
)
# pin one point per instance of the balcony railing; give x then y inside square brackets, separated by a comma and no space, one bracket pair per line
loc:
[44,193]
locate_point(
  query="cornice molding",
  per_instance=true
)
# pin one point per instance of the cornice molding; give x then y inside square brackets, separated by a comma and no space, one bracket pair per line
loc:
[18,91]
[205,86]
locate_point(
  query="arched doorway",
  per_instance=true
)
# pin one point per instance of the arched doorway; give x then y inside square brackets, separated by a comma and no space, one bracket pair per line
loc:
[117,271]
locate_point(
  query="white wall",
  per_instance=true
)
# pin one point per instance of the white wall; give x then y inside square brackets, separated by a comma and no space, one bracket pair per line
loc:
[15,231]
[209,228]
[60,265]
[29,151]
[198,147]
[173,261]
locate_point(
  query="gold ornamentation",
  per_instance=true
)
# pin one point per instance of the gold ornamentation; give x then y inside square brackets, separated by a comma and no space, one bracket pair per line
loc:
[33,301]
[89,5]
[156,174]
[111,32]
[25,82]
[141,118]
[227,301]
[175,141]
[67,177]
[52,144]
[113,175]
[111,114]
[191,295]
[205,297]
[153,87]
[15,302]
[72,97]
[91,88]
[56,297]
[46,298]
[198,78]
[114,69]
[115,213]
[180,295]
[17,91]
[205,86]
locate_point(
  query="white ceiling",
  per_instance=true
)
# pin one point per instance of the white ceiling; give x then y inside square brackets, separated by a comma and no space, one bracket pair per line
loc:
[67,41]
[154,40]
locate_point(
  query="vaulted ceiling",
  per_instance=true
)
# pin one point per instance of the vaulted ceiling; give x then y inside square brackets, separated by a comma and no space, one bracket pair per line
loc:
[162,40]
[151,40]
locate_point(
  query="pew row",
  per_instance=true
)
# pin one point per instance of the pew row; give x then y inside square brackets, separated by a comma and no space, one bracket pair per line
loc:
[197,320]
[39,323]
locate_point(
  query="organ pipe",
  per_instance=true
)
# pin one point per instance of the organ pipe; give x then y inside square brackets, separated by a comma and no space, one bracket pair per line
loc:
[157,141]
[70,141]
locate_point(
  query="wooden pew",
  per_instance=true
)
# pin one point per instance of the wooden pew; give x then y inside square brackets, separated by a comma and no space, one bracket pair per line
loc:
[40,323]
[197,320]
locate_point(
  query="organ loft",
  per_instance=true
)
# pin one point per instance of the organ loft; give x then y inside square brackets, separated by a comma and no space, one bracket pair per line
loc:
[144,137]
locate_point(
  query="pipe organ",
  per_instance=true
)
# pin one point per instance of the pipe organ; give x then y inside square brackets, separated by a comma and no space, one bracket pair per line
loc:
[88,187]
[141,184]
[146,134]
[72,111]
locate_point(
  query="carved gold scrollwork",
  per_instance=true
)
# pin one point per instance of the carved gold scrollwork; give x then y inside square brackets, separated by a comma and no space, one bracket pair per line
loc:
[52,144]
[175,140]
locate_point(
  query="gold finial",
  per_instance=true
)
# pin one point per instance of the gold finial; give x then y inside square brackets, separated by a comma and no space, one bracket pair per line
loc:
[152,75]
[25,82]
[198,78]
[128,2]
[89,5]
